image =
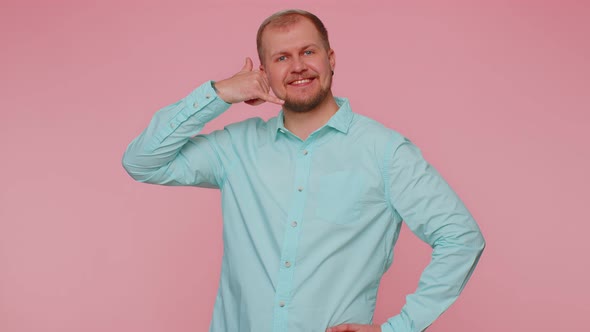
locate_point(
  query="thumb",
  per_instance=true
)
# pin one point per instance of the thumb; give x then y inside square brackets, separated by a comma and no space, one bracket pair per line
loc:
[248,65]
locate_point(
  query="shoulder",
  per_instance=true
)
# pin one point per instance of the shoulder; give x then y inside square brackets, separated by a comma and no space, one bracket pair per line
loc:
[250,131]
[254,123]
[372,131]
[254,127]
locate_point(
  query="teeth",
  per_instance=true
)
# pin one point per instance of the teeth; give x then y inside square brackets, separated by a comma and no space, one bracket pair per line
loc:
[301,81]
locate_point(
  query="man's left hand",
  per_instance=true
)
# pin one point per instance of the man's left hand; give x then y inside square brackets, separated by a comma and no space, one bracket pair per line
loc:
[354,328]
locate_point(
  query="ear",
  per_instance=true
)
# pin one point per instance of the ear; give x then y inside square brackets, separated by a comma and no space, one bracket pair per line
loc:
[332,58]
[263,71]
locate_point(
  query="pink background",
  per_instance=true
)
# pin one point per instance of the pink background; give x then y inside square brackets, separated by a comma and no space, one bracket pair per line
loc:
[496,93]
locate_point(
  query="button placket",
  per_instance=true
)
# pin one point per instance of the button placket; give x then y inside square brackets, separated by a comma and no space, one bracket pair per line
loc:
[287,268]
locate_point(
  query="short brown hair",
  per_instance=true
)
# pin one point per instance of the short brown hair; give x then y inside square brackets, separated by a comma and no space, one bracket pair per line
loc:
[287,17]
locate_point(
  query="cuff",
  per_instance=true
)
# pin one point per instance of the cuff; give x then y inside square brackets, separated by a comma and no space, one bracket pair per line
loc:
[205,96]
[199,107]
[396,324]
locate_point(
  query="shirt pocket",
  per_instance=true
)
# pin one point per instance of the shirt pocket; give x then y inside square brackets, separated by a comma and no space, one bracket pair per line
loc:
[338,197]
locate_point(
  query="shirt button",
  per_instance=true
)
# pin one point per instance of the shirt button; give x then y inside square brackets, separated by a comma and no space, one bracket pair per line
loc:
[305,152]
[172,125]
[207,96]
[196,105]
[281,304]
[300,189]
[288,264]
[294,224]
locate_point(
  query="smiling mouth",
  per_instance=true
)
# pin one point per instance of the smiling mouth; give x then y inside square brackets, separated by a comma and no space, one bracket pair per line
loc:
[301,82]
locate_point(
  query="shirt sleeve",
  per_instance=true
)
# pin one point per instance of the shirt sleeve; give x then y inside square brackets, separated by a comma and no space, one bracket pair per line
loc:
[167,152]
[433,212]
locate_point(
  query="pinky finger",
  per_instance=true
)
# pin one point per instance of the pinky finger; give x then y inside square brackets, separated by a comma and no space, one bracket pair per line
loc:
[254,102]
[272,99]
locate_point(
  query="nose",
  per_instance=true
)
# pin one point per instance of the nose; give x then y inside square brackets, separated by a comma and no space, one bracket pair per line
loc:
[299,64]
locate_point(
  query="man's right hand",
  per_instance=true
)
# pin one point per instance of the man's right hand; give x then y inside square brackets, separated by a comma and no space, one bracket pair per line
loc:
[249,86]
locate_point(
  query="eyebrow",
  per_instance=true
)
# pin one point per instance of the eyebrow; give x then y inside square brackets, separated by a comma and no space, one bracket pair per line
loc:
[302,48]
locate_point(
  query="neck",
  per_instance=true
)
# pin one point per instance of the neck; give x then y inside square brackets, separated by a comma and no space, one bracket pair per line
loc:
[303,124]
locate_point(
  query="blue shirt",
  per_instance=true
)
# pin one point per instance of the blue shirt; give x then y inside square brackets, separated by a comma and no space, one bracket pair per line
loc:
[309,226]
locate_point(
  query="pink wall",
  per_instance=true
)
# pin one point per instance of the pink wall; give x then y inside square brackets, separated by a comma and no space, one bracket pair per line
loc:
[496,94]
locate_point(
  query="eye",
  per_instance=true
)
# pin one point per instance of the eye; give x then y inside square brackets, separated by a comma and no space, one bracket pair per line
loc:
[282,58]
[308,52]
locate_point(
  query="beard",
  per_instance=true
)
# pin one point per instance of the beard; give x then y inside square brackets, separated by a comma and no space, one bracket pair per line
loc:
[307,104]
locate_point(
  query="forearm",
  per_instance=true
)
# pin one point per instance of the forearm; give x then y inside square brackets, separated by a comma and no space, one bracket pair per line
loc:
[453,261]
[151,155]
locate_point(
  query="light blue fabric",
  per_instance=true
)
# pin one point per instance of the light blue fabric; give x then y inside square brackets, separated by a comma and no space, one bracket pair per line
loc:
[309,226]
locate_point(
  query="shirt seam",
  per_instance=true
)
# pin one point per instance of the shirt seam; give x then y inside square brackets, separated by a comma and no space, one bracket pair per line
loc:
[385,174]
[223,177]
[386,161]
[233,159]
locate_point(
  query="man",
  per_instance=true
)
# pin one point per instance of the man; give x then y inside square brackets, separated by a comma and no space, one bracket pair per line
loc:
[313,199]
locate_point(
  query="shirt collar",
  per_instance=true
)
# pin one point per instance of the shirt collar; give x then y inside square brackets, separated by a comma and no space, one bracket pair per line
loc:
[340,121]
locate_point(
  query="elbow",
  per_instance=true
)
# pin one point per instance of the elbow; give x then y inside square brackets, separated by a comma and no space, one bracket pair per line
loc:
[128,166]
[469,241]
[475,241]
[480,242]
[134,171]
[475,244]
[483,244]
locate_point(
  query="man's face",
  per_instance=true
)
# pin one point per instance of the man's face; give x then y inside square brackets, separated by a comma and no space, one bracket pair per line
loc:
[297,65]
